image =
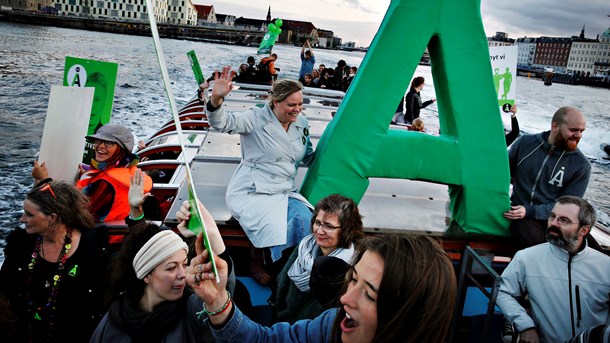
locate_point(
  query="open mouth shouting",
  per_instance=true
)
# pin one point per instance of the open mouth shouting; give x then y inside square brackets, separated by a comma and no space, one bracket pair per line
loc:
[348,324]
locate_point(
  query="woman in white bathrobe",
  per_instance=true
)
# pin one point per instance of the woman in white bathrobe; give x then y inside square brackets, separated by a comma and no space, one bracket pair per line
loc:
[262,194]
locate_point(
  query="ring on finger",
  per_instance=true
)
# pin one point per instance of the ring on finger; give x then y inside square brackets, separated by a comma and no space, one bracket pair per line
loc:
[200,267]
[197,279]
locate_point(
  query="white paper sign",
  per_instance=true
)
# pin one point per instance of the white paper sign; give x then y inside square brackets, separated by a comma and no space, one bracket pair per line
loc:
[65,128]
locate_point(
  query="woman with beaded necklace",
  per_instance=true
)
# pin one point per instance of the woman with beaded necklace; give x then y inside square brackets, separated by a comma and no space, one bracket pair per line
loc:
[53,269]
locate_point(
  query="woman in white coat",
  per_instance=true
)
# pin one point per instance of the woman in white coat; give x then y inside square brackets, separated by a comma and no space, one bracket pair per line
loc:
[275,140]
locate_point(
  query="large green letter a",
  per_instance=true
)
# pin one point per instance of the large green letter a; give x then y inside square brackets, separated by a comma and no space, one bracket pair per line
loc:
[470,155]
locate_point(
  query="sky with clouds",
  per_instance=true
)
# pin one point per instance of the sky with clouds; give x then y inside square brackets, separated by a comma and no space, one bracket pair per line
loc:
[358,20]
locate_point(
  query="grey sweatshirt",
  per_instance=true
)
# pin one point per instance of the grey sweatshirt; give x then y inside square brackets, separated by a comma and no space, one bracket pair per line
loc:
[541,173]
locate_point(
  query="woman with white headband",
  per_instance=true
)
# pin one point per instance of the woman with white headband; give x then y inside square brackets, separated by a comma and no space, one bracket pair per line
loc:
[150,299]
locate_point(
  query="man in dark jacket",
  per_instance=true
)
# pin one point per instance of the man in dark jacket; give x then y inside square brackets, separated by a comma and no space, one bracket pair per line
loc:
[543,167]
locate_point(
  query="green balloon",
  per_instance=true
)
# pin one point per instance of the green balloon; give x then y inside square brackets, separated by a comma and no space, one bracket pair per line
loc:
[271,27]
[278,22]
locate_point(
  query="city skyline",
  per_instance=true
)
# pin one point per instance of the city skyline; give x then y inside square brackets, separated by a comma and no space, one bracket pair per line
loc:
[360,19]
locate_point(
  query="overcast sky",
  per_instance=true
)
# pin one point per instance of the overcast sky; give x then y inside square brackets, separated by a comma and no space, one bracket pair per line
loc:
[358,20]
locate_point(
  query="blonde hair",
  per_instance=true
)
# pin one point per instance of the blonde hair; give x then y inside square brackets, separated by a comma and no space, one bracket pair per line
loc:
[281,89]
[418,125]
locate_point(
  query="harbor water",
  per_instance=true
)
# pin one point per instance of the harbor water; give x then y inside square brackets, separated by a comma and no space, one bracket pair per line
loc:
[32,60]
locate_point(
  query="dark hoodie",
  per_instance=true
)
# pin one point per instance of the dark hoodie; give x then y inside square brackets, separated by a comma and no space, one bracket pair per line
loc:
[542,173]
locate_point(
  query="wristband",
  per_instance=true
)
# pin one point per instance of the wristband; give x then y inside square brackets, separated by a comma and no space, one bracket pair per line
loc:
[217,312]
[139,218]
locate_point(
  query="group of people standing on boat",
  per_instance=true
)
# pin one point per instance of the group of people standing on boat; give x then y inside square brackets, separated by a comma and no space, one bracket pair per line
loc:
[346,287]
[158,288]
[265,72]
[338,78]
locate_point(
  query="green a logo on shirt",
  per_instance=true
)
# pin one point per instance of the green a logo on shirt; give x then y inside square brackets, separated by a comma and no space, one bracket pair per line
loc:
[73,271]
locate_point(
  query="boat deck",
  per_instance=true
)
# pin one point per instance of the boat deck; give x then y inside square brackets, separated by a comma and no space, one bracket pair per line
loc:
[389,205]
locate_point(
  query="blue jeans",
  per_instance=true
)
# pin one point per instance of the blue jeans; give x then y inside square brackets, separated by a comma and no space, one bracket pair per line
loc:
[299,226]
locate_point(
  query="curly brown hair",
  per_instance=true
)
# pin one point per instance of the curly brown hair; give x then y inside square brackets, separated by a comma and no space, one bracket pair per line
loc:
[349,217]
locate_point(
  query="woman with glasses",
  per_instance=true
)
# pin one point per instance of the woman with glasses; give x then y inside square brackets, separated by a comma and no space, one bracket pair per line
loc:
[106,179]
[336,227]
[53,272]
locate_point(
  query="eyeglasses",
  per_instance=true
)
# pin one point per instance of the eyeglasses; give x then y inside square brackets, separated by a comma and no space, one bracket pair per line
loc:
[48,188]
[563,221]
[324,226]
[107,144]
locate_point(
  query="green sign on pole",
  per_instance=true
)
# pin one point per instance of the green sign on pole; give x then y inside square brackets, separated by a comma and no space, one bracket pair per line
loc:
[80,72]
[196,67]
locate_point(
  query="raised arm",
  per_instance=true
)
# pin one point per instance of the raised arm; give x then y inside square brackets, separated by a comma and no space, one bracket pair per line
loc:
[222,87]
[39,172]
[136,195]
[514,126]
[310,48]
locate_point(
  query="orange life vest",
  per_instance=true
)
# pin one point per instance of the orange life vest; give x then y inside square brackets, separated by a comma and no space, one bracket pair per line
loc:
[118,178]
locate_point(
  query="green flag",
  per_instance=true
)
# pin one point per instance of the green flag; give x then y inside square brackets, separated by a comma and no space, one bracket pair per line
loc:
[273,32]
[196,67]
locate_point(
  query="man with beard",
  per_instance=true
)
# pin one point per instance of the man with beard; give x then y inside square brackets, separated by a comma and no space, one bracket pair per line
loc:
[567,282]
[543,167]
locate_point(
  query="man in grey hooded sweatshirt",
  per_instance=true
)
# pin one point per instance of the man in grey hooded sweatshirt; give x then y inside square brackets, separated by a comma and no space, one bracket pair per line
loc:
[544,167]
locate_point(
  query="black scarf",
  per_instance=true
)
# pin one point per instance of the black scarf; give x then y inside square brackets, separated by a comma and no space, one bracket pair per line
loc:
[147,326]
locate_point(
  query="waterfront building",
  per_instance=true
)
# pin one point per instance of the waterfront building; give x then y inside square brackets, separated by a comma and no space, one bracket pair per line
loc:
[500,39]
[225,19]
[249,24]
[131,13]
[583,55]
[526,49]
[325,39]
[337,41]
[205,15]
[602,64]
[118,10]
[27,5]
[552,52]
[178,12]
[348,46]
[296,32]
